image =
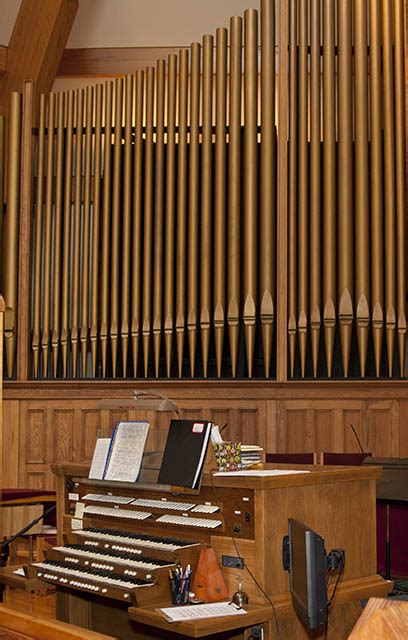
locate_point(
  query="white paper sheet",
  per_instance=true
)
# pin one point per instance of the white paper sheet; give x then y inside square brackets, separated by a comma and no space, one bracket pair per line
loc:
[193,612]
[126,451]
[261,472]
[99,457]
[215,435]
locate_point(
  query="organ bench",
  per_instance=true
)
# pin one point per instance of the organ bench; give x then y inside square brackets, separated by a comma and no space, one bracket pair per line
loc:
[110,567]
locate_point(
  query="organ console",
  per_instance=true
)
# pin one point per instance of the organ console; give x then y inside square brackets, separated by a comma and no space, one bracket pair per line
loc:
[117,542]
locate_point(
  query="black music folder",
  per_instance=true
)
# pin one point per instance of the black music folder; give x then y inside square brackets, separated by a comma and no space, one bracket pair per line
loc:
[184,453]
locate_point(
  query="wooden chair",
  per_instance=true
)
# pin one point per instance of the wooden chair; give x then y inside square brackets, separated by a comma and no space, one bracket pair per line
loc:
[291,458]
[346,459]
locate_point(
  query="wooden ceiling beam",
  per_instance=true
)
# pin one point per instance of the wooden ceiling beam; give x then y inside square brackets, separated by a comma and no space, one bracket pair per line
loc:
[110,61]
[3,59]
[36,45]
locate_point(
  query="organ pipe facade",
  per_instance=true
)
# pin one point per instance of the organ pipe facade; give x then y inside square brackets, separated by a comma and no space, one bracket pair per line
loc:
[154,207]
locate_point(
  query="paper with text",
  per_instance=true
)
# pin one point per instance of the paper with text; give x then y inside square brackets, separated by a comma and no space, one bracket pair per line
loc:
[99,458]
[193,612]
[126,451]
[261,472]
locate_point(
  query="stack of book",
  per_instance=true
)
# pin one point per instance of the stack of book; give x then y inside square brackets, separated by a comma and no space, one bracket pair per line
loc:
[251,455]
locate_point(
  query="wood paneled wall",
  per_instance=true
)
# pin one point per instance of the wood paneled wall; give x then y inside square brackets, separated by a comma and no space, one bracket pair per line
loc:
[55,422]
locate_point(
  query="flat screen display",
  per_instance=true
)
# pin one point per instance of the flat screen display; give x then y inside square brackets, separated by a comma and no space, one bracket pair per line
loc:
[307,574]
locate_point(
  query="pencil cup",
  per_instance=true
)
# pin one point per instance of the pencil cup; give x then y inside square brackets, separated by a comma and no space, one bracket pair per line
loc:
[228,456]
[180,591]
[180,587]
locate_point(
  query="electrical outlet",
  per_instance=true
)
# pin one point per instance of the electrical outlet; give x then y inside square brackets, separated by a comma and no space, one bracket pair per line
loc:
[232,562]
[257,633]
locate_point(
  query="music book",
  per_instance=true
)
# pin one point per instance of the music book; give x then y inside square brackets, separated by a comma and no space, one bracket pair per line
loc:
[184,453]
[126,451]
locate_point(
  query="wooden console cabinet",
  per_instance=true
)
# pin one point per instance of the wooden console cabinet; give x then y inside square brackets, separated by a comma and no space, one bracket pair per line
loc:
[337,502]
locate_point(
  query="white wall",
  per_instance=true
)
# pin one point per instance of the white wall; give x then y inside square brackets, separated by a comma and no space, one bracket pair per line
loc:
[150,23]
[138,23]
[8,15]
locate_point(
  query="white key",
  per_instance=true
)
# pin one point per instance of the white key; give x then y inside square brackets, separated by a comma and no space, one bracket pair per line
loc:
[116,513]
[190,522]
[164,504]
[96,497]
[205,508]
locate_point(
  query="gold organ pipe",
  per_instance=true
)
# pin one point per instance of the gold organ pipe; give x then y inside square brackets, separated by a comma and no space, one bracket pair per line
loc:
[148,218]
[158,214]
[193,202]
[303,203]
[59,177]
[170,209]
[376,183]
[329,182]
[250,183]
[268,172]
[137,217]
[389,177]
[47,257]
[94,320]
[127,211]
[76,236]
[106,225]
[2,176]
[400,138]
[38,238]
[66,257]
[220,194]
[116,209]
[362,276]
[234,189]
[181,207]
[86,232]
[315,184]
[11,230]
[293,186]
[345,181]
[206,199]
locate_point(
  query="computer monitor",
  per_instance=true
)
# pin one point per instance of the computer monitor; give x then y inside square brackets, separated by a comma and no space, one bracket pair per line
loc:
[307,567]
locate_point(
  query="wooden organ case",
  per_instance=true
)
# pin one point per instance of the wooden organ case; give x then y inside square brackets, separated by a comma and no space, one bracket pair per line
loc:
[110,567]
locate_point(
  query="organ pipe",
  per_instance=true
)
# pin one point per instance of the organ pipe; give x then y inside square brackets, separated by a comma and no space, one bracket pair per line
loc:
[234,190]
[267,171]
[250,184]
[206,199]
[345,180]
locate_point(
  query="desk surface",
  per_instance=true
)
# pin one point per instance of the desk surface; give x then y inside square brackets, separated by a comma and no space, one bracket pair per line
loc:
[202,627]
[314,474]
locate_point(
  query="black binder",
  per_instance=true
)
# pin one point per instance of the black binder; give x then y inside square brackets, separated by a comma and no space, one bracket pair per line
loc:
[184,453]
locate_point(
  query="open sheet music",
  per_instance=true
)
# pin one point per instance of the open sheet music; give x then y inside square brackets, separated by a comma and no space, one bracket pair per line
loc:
[126,451]
[99,458]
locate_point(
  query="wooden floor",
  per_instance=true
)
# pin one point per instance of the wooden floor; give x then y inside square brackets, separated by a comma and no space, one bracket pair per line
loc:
[39,606]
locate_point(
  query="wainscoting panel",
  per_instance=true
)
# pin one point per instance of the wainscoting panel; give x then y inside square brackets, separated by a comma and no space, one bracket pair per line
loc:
[52,422]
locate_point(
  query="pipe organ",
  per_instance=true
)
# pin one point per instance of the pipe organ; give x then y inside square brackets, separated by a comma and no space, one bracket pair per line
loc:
[153,221]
